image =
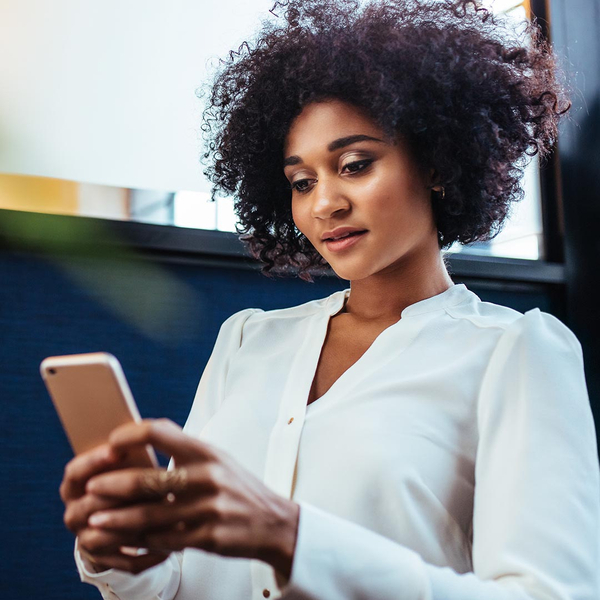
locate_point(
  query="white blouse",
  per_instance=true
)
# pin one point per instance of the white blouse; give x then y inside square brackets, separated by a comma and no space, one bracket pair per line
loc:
[455,460]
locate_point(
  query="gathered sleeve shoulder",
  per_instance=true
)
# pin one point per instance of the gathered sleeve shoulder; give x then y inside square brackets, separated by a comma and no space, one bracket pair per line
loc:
[162,581]
[536,515]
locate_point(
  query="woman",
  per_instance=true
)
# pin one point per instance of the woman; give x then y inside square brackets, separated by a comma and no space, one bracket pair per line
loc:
[400,439]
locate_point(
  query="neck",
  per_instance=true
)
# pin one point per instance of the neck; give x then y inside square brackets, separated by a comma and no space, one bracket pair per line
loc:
[384,295]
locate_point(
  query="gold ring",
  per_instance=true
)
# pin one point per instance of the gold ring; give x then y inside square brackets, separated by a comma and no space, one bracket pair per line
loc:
[161,483]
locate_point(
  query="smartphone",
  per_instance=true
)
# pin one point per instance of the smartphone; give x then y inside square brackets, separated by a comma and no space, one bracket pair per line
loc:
[92,397]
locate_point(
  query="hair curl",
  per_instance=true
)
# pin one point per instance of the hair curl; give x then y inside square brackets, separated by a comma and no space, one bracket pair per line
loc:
[461,85]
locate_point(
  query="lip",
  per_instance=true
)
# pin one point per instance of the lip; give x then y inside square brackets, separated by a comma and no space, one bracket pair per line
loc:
[344,243]
[339,231]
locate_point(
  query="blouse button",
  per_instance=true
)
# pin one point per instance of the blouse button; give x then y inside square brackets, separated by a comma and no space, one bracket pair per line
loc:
[266,593]
[289,422]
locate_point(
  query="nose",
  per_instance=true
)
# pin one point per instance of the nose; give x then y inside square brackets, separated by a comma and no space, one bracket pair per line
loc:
[328,199]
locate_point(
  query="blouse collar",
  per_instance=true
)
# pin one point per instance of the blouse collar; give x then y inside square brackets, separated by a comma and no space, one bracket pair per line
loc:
[455,294]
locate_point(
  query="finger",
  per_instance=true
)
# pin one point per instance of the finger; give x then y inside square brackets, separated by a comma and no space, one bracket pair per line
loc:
[154,515]
[131,564]
[125,484]
[82,467]
[165,436]
[143,484]
[179,538]
[103,542]
[78,511]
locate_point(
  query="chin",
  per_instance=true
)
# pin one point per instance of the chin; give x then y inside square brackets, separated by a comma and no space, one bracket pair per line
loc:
[351,272]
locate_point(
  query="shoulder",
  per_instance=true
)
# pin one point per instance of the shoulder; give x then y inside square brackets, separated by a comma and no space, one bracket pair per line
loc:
[484,315]
[539,333]
[535,376]
[256,319]
[536,350]
[512,337]
[300,311]
[508,322]
[233,326]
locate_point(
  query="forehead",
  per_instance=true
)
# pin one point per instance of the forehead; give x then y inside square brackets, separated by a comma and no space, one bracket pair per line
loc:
[322,122]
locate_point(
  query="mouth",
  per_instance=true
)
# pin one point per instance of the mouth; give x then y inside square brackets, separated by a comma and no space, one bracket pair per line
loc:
[344,235]
[344,241]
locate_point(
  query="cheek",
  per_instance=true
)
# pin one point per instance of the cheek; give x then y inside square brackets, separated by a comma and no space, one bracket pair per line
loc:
[383,200]
[384,188]
[395,202]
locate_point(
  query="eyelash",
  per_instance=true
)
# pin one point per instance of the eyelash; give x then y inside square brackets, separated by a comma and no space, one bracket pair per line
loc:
[365,162]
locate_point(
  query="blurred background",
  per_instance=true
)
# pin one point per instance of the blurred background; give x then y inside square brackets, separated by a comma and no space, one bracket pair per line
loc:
[108,240]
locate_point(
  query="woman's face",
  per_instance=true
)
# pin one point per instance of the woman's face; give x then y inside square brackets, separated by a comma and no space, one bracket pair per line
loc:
[347,177]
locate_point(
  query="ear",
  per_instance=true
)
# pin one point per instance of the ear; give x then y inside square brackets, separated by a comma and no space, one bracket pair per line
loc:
[433,180]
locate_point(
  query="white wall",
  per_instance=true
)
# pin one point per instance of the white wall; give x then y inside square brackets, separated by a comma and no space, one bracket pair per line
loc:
[104,91]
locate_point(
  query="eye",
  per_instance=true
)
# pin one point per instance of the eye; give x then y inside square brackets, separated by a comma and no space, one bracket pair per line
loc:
[301,185]
[357,165]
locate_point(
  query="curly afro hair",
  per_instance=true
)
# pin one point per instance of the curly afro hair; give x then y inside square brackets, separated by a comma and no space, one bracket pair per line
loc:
[471,96]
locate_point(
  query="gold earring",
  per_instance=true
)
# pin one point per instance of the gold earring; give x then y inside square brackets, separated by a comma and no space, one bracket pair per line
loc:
[442,191]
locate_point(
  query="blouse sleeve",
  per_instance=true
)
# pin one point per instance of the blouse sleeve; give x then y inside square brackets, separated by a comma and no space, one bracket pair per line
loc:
[162,581]
[536,515]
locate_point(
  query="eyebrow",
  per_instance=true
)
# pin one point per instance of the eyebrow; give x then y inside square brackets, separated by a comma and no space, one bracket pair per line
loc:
[335,145]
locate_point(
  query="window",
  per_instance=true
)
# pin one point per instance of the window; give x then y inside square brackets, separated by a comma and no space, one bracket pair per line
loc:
[522,236]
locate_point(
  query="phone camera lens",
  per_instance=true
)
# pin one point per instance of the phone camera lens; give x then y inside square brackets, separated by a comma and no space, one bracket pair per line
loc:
[52,371]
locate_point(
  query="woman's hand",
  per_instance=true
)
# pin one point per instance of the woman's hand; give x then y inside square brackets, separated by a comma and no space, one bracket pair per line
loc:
[216,505]
[102,549]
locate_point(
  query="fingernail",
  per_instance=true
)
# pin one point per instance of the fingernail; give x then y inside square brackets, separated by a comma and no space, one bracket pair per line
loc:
[98,519]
